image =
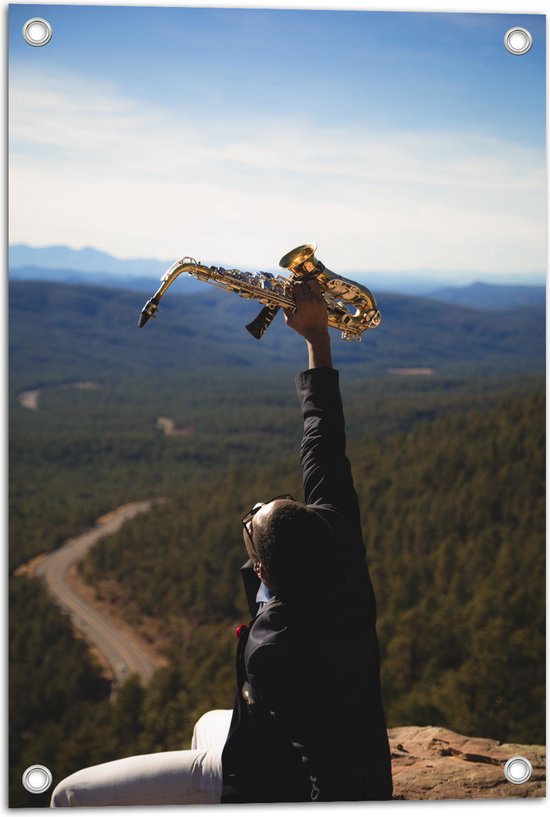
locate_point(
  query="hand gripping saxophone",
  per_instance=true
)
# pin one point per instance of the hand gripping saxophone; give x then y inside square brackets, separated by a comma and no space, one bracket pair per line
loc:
[351,307]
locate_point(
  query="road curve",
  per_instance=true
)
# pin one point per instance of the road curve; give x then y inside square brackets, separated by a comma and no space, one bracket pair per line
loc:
[124,657]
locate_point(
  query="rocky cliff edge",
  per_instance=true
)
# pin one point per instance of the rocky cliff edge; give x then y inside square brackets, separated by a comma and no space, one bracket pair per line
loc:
[432,763]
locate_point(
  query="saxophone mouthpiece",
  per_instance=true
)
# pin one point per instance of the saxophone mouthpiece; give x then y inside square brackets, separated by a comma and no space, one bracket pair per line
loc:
[148,311]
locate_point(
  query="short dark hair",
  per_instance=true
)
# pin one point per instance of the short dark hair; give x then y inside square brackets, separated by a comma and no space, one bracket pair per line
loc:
[297,550]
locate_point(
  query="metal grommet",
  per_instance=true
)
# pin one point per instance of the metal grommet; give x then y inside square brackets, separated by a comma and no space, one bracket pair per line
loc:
[518,769]
[37,779]
[37,31]
[518,40]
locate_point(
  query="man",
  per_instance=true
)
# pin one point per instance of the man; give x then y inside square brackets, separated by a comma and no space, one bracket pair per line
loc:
[308,722]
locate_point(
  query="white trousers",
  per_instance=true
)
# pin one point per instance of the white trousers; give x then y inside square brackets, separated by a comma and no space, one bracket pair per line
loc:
[190,776]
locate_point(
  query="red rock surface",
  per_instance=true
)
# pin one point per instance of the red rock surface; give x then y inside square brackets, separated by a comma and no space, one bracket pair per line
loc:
[432,763]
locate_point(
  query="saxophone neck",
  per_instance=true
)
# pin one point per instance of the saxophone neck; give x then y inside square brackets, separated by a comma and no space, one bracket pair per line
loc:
[186,264]
[183,265]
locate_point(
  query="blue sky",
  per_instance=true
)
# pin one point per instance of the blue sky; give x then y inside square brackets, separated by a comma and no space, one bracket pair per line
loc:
[408,143]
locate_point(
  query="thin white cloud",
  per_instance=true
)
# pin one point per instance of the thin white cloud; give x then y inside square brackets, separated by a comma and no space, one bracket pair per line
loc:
[89,166]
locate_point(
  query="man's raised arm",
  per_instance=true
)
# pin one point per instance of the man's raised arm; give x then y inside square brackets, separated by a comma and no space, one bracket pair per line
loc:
[327,471]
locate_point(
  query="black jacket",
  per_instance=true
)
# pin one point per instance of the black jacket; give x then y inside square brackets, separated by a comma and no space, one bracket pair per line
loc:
[308,722]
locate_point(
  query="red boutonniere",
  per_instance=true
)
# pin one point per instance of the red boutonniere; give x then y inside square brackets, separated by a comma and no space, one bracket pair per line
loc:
[241,630]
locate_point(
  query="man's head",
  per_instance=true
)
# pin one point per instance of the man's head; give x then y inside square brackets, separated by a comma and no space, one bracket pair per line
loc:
[291,547]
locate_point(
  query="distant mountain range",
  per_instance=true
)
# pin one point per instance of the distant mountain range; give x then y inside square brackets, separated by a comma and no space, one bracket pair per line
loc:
[90,266]
[135,283]
[491,296]
[87,260]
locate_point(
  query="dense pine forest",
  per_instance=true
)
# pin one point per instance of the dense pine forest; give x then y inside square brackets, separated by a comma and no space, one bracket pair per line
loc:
[449,467]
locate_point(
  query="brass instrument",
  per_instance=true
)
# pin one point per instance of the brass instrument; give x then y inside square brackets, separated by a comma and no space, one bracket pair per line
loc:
[351,307]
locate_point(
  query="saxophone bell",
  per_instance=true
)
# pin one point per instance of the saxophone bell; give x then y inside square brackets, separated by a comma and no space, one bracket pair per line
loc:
[302,263]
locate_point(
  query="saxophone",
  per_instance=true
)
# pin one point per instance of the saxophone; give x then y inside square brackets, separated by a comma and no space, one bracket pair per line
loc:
[351,307]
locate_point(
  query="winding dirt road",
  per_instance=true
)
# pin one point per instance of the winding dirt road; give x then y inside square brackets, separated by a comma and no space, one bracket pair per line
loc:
[29,399]
[122,653]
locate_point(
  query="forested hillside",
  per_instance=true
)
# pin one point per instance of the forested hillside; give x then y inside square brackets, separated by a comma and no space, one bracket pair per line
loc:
[60,332]
[449,468]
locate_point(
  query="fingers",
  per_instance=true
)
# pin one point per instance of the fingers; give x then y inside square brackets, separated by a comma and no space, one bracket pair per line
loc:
[307,291]
[310,315]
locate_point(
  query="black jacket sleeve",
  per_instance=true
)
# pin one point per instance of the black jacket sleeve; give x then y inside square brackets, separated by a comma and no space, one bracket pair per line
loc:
[327,473]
